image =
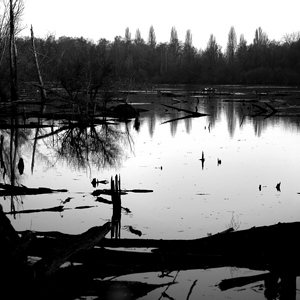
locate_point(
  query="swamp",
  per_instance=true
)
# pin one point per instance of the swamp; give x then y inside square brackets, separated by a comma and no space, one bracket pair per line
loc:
[172,192]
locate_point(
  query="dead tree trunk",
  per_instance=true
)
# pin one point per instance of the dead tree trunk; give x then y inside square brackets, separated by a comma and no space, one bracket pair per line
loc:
[116,201]
[43,91]
[13,56]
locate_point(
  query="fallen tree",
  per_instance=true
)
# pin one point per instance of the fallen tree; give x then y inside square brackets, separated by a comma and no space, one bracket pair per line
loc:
[272,249]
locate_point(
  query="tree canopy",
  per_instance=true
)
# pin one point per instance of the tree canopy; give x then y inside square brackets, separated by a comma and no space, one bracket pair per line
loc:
[79,63]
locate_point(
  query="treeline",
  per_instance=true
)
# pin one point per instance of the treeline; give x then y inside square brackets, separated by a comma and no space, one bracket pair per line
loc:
[78,63]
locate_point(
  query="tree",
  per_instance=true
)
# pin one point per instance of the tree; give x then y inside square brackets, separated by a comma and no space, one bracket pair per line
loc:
[212,54]
[290,38]
[174,37]
[188,39]
[231,45]
[212,51]
[16,9]
[127,35]
[260,37]
[152,38]
[138,37]
[188,56]
[241,53]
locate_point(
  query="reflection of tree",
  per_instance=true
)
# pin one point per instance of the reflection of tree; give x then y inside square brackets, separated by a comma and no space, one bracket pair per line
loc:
[231,118]
[81,146]
[10,155]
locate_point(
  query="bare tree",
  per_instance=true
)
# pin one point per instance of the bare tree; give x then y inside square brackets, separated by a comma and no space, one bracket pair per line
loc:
[290,38]
[16,10]
[4,31]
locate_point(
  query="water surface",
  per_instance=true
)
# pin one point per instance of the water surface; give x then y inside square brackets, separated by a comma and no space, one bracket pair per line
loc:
[246,156]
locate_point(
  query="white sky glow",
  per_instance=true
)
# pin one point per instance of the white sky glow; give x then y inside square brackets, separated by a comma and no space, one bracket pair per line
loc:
[94,19]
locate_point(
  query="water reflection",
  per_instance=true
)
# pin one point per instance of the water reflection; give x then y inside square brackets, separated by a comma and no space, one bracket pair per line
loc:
[104,145]
[80,147]
[12,164]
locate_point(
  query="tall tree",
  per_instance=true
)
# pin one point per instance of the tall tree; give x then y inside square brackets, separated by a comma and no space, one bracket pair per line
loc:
[174,36]
[174,51]
[188,39]
[16,9]
[127,35]
[241,52]
[152,38]
[188,57]
[260,37]
[212,54]
[138,37]
[231,45]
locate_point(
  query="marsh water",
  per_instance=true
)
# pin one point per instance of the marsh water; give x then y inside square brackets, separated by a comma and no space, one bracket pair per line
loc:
[249,175]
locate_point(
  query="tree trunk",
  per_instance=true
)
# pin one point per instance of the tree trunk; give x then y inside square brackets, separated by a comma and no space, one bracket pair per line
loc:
[13,57]
[43,91]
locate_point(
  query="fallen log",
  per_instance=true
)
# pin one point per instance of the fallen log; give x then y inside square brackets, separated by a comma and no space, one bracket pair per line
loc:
[259,248]
[98,192]
[68,247]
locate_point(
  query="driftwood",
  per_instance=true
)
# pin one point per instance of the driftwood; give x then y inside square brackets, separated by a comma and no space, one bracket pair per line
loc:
[98,192]
[272,248]
[83,242]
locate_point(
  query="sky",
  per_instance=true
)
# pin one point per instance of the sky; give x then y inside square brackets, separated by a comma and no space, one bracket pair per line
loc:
[95,19]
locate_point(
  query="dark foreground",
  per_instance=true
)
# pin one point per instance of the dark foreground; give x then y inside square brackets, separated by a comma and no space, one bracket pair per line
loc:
[31,261]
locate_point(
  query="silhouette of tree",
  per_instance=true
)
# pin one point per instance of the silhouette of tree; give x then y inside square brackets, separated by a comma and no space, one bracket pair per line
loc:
[138,37]
[127,35]
[231,45]
[152,38]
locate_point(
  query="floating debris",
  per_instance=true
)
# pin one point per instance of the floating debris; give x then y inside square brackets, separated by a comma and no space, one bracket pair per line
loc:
[21,165]
[95,182]
[278,186]
[134,231]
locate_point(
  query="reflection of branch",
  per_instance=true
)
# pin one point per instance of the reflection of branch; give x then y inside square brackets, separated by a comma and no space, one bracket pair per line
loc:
[264,110]
[230,283]
[176,119]
[163,294]
[34,149]
[191,289]
[192,114]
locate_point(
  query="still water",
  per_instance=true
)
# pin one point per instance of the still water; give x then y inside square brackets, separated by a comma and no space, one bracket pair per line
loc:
[246,156]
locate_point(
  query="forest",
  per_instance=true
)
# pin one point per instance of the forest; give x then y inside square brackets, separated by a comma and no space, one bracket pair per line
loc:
[81,64]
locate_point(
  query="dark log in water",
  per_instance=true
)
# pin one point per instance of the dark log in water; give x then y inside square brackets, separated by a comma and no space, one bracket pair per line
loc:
[8,189]
[261,248]
[60,254]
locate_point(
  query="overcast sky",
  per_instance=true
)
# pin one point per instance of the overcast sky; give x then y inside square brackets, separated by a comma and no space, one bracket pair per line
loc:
[95,19]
